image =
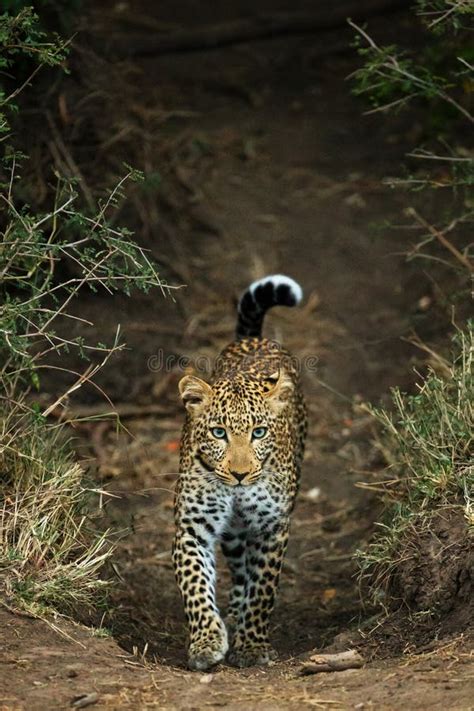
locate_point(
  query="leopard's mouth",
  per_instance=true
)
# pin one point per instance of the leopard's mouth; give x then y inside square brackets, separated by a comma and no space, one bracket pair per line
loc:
[250,479]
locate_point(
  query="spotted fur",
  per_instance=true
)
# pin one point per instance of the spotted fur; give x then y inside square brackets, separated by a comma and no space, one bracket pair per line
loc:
[237,490]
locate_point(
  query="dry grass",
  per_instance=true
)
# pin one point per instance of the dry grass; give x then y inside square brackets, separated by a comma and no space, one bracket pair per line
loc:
[49,555]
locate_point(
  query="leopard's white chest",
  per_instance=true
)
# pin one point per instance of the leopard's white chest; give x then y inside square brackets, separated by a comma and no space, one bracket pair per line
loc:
[255,509]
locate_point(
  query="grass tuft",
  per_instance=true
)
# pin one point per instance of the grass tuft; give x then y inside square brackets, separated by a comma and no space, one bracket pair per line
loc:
[49,552]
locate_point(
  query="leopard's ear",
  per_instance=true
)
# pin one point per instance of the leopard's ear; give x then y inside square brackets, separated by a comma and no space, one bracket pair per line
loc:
[195,394]
[281,392]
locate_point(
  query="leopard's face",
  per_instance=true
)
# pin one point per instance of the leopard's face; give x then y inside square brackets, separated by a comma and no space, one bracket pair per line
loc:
[234,424]
[235,442]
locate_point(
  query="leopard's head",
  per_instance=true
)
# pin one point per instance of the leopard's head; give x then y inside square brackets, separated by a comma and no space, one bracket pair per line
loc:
[235,424]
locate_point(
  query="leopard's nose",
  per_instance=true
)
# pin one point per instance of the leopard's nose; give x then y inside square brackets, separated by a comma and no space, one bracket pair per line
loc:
[240,476]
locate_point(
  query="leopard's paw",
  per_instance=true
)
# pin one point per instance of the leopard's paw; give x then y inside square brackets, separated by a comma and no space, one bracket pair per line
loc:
[252,655]
[207,652]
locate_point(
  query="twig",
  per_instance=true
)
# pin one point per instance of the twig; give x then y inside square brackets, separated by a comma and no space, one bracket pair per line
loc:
[465,261]
[421,153]
[17,91]
[443,364]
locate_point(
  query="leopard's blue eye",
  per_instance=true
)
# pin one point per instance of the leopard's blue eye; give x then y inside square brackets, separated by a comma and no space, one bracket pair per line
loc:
[259,432]
[219,432]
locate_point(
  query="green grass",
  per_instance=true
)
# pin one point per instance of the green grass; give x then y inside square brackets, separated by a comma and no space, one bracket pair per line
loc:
[428,444]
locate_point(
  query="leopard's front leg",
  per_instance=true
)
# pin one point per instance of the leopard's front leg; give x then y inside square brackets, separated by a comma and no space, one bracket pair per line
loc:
[264,558]
[200,520]
[194,564]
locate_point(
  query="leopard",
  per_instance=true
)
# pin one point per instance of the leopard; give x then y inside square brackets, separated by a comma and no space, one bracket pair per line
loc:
[241,453]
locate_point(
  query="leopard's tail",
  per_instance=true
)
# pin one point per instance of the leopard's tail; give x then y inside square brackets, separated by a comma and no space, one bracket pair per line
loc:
[261,295]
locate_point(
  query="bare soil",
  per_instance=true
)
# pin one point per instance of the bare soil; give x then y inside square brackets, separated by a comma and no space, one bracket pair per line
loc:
[275,171]
[437,574]
[42,669]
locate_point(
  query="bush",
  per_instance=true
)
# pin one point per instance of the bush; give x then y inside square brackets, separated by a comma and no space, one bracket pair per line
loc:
[427,441]
[50,551]
[420,554]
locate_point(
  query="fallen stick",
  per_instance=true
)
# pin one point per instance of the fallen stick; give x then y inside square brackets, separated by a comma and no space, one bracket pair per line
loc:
[261,26]
[332,662]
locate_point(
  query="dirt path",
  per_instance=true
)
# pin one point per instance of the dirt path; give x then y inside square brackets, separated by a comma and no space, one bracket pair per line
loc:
[41,669]
[281,173]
